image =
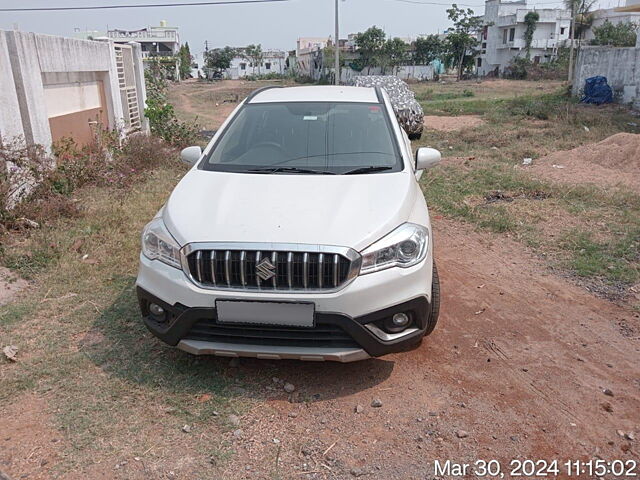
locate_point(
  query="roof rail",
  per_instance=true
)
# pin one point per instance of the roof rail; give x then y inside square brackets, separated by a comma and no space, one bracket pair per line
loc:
[260,90]
[379,93]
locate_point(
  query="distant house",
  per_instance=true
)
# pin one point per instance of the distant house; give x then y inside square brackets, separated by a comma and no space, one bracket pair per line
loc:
[503,37]
[612,15]
[307,51]
[632,6]
[160,41]
[312,62]
[273,61]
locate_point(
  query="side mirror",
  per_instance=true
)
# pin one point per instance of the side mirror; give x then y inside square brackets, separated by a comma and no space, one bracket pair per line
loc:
[427,158]
[191,155]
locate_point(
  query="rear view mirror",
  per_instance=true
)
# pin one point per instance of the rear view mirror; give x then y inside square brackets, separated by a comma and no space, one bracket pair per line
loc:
[191,155]
[427,158]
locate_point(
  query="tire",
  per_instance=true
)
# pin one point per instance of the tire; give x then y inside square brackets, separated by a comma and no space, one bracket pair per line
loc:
[434,306]
[415,136]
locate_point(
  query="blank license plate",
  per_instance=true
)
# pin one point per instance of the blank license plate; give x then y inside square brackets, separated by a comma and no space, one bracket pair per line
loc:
[266,313]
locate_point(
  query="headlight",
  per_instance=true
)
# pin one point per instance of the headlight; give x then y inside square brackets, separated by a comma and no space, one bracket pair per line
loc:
[407,245]
[158,244]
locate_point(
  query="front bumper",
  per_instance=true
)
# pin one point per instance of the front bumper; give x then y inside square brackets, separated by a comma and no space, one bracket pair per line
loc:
[335,337]
[339,334]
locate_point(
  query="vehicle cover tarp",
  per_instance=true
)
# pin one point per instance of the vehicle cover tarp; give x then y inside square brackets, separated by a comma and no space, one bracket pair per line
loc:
[407,109]
[597,91]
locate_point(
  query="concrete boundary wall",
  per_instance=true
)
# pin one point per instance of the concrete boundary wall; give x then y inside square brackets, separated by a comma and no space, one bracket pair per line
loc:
[621,66]
[10,120]
[31,62]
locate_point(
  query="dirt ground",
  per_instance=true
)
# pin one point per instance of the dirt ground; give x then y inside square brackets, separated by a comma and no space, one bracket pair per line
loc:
[10,285]
[614,161]
[210,104]
[452,124]
[524,364]
[517,368]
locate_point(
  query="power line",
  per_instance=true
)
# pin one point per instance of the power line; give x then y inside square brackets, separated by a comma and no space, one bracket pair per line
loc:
[150,5]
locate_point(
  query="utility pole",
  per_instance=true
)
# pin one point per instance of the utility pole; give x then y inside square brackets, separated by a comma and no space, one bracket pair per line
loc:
[573,34]
[337,48]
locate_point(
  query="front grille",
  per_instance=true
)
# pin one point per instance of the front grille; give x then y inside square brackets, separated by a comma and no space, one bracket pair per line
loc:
[323,335]
[270,269]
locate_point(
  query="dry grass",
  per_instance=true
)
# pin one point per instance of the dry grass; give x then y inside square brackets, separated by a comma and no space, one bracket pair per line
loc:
[589,231]
[112,389]
[116,393]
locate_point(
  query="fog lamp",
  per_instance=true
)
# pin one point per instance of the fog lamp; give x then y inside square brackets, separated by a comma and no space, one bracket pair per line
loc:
[156,310]
[400,319]
[397,323]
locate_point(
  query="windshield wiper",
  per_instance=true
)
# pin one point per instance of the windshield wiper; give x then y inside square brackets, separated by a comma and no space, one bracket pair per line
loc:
[370,169]
[290,170]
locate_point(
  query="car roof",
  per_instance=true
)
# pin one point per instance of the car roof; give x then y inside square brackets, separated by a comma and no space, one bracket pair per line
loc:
[316,94]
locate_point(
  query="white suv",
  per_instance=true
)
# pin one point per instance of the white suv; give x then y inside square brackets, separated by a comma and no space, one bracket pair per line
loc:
[300,232]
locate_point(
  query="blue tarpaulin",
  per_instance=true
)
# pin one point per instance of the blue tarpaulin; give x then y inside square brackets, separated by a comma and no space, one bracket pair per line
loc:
[596,90]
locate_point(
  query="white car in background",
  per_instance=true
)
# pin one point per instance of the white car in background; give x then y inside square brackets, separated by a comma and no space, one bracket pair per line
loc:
[300,232]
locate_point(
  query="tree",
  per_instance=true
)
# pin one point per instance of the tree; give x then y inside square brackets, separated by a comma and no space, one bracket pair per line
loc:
[370,44]
[427,49]
[530,20]
[462,36]
[185,59]
[396,53]
[255,54]
[579,9]
[621,34]
[219,59]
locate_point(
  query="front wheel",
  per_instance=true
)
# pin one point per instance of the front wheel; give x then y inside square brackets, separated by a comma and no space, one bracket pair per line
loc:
[434,306]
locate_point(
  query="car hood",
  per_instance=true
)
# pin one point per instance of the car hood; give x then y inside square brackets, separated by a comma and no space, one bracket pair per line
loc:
[344,210]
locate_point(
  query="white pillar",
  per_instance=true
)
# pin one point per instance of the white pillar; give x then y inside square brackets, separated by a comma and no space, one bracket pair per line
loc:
[23,57]
[10,120]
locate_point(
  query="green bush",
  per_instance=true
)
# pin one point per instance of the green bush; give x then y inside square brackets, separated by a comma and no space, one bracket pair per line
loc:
[517,69]
[162,117]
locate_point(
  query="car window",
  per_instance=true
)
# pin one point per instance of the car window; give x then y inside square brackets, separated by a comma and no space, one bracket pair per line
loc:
[321,137]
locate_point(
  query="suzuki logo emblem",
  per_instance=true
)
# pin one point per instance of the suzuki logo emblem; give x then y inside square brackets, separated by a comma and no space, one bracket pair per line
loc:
[265,269]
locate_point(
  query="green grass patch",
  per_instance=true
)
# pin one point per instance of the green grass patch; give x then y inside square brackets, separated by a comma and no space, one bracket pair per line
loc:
[523,208]
[617,261]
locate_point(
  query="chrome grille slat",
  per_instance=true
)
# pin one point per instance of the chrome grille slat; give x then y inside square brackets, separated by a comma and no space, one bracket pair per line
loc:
[199,266]
[290,269]
[320,269]
[283,269]
[212,262]
[258,257]
[305,269]
[274,260]
[243,262]
[227,267]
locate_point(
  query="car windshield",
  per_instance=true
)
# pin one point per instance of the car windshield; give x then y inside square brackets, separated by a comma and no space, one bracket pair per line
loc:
[307,138]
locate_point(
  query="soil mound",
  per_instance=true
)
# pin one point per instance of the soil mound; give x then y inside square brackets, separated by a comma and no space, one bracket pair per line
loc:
[614,161]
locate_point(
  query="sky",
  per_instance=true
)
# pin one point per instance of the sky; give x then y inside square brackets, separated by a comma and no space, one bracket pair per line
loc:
[274,25]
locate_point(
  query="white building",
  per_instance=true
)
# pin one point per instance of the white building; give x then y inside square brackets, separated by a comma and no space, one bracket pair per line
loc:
[273,61]
[613,15]
[503,38]
[162,41]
